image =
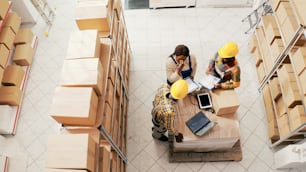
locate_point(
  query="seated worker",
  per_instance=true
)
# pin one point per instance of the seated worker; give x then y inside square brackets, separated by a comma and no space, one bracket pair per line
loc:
[225,66]
[180,65]
[163,113]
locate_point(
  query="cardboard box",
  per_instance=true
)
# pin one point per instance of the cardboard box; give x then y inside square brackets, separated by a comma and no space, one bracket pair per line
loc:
[273,130]
[268,103]
[84,102]
[112,72]
[24,36]
[83,73]
[1,73]
[257,56]
[104,159]
[299,60]
[288,28]
[280,106]
[275,3]
[271,34]
[109,93]
[283,11]
[275,88]
[277,48]
[221,104]
[23,55]
[13,76]
[10,95]
[107,118]
[300,10]
[4,55]
[71,151]
[4,6]
[7,37]
[297,117]
[261,72]
[83,44]
[13,21]
[283,125]
[268,20]
[291,94]
[302,82]
[92,15]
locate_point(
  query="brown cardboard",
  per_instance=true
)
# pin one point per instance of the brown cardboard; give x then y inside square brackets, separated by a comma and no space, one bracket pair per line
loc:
[104,159]
[4,55]
[109,93]
[23,55]
[4,6]
[271,34]
[273,130]
[225,101]
[302,82]
[284,10]
[275,88]
[107,118]
[268,103]
[280,106]
[221,137]
[7,37]
[275,3]
[1,73]
[13,76]
[13,21]
[10,95]
[291,94]
[276,48]
[297,117]
[283,123]
[268,20]
[257,57]
[300,10]
[299,60]
[24,36]
[112,72]
[92,15]
[83,73]
[253,43]
[83,44]
[84,102]
[71,151]
[288,28]
[261,72]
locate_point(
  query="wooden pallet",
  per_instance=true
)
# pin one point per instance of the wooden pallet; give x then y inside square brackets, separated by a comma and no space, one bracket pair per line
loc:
[234,154]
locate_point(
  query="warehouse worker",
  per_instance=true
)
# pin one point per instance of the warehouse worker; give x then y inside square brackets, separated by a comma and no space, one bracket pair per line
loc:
[163,113]
[180,64]
[225,66]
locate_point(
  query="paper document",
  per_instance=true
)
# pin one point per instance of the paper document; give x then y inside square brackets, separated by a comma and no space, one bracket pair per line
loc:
[192,85]
[209,81]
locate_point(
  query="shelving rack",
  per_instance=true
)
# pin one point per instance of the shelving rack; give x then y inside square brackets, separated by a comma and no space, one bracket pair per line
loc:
[298,133]
[16,109]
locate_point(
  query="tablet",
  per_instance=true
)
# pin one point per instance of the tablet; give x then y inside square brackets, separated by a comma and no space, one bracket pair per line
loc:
[204,100]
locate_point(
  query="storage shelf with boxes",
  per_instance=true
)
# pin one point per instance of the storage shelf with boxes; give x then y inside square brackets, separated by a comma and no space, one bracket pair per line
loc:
[278,47]
[96,65]
[17,47]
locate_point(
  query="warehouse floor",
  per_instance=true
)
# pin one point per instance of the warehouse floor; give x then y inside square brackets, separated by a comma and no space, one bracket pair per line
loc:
[153,35]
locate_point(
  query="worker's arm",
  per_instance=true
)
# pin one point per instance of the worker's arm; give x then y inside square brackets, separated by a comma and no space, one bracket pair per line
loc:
[172,72]
[210,67]
[194,66]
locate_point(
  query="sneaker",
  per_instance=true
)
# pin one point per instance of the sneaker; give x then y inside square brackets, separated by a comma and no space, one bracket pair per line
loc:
[163,138]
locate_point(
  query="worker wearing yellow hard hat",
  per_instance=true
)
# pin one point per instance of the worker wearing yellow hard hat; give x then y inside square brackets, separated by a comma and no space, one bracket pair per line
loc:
[163,113]
[225,66]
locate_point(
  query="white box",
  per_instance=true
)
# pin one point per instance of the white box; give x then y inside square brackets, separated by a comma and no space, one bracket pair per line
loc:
[7,119]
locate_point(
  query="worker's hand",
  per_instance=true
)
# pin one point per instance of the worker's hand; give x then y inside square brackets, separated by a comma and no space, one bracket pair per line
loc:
[179,138]
[209,70]
[180,66]
[218,86]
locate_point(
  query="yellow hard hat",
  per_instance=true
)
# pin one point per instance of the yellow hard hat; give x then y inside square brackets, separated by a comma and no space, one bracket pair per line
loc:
[179,89]
[229,50]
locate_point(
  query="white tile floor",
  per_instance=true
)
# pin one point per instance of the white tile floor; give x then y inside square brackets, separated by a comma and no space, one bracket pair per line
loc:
[153,35]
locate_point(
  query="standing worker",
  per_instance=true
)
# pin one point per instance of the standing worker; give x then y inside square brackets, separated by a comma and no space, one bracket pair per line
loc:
[180,65]
[225,66]
[163,113]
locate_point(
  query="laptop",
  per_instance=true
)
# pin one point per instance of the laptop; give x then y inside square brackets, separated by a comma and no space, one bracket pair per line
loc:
[199,124]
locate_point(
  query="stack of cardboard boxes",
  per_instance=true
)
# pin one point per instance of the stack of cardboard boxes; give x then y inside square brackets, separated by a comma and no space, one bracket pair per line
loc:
[16,53]
[285,93]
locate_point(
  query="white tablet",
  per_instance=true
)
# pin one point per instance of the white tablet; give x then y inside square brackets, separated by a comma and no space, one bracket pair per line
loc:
[204,100]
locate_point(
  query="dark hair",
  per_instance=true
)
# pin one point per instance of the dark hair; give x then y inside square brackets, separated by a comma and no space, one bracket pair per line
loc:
[181,50]
[228,60]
